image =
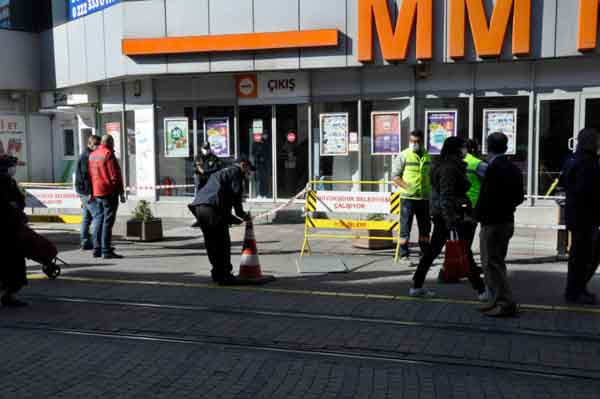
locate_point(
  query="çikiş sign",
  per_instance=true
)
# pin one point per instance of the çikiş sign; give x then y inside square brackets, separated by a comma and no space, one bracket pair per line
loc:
[81,8]
[272,85]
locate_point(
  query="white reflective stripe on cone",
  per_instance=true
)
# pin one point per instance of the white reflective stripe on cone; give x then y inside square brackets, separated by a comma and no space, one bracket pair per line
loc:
[250,260]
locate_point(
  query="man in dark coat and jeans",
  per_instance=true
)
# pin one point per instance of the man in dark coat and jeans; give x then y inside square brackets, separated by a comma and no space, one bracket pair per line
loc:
[83,186]
[582,208]
[501,192]
[212,204]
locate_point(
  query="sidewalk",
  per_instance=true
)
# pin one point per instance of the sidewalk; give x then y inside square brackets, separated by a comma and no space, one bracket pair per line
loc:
[536,276]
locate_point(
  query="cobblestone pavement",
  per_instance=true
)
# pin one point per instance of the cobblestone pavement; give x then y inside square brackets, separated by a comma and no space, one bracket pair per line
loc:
[151,326]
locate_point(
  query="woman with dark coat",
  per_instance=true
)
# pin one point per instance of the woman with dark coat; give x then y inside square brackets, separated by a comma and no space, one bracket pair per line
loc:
[448,206]
[582,209]
[13,274]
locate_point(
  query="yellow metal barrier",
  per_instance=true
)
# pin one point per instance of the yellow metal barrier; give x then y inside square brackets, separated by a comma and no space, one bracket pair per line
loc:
[363,198]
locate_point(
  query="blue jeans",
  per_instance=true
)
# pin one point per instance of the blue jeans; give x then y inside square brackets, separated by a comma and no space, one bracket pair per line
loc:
[105,215]
[408,211]
[87,210]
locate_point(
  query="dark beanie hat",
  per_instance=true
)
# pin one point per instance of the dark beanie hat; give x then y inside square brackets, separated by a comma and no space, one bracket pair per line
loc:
[452,147]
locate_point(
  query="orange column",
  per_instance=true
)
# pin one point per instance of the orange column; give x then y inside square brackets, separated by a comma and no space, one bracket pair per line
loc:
[588,24]
[489,39]
[394,42]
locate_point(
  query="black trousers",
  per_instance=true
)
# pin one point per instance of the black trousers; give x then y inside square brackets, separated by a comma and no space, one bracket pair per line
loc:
[215,229]
[440,235]
[13,273]
[583,260]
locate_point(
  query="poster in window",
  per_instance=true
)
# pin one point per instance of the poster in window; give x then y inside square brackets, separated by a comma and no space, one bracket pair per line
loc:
[177,139]
[114,129]
[217,135]
[501,120]
[13,142]
[334,134]
[440,125]
[385,133]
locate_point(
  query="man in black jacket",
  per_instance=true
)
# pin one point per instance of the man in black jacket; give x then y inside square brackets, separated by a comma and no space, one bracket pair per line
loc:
[501,192]
[83,186]
[212,204]
[206,164]
[582,183]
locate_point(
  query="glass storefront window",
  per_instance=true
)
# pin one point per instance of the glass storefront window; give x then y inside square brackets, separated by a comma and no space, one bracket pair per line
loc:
[292,149]
[130,148]
[378,167]
[458,104]
[521,103]
[175,170]
[556,122]
[256,143]
[338,167]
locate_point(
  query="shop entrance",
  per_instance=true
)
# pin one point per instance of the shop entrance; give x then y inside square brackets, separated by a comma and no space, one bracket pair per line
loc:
[557,125]
[256,143]
[590,115]
[291,149]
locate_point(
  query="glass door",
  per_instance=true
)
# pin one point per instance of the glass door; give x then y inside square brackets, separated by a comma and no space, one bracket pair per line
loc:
[590,111]
[291,149]
[557,125]
[256,143]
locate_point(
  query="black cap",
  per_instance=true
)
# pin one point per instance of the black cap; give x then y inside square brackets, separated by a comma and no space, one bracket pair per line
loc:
[244,158]
[8,161]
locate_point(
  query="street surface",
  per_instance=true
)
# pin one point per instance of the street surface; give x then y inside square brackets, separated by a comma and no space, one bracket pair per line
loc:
[153,326]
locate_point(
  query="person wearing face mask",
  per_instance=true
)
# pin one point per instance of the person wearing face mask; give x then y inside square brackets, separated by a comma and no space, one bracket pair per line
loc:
[583,216]
[206,164]
[13,274]
[212,205]
[501,193]
[410,173]
[449,205]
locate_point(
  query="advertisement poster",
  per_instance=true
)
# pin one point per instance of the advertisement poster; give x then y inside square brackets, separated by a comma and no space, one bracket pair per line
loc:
[144,149]
[440,124]
[177,138]
[217,134]
[114,129]
[502,120]
[14,142]
[334,134]
[81,8]
[385,133]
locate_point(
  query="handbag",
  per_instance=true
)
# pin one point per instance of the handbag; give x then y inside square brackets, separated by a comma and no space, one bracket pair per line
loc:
[456,262]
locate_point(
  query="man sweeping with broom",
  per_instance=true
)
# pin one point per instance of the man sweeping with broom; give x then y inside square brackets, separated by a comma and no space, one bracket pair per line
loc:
[212,207]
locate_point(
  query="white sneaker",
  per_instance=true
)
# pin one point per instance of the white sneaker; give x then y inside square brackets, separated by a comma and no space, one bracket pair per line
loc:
[485,296]
[421,293]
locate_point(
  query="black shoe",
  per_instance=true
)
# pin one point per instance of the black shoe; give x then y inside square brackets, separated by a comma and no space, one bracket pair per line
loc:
[112,255]
[87,247]
[97,254]
[9,301]
[582,299]
[503,311]
[227,280]
[195,225]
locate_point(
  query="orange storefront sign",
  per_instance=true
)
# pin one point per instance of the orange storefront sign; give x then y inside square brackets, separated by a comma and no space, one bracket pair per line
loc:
[588,24]
[375,22]
[489,38]
[394,41]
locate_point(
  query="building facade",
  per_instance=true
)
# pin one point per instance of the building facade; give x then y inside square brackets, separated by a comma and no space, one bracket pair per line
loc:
[312,89]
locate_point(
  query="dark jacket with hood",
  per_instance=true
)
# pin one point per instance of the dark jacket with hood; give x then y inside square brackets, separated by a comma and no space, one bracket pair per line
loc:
[223,191]
[210,164]
[83,184]
[449,186]
[583,184]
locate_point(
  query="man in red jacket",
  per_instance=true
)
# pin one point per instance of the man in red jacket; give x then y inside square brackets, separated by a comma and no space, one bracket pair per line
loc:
[107,188]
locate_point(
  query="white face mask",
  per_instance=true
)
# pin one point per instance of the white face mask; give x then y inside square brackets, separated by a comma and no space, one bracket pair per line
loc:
[12,171]
[464,152]
[204,151]
[415,146]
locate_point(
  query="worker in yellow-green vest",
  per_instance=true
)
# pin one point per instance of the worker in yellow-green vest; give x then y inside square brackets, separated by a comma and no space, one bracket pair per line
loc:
[410,173]
[476,169]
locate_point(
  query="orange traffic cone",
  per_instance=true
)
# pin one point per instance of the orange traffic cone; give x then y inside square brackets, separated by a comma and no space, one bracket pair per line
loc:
[250,270]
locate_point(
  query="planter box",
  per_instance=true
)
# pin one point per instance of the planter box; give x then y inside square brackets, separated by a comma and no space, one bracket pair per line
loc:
[145,231]
[364,243]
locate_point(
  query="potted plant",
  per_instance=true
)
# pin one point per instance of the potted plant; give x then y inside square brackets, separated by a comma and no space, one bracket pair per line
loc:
[144,226]
[371,243]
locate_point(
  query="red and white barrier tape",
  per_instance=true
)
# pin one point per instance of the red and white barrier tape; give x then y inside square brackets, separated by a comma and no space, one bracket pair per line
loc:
[282,206]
